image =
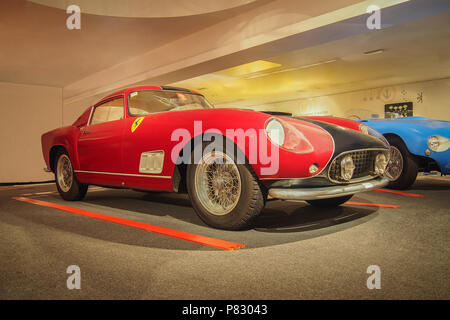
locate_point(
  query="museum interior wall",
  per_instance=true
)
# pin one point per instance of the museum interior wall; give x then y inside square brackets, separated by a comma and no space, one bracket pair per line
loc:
[27,112]
[429,99]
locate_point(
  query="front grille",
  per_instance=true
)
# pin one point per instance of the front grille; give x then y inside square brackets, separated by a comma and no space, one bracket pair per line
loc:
[364,161]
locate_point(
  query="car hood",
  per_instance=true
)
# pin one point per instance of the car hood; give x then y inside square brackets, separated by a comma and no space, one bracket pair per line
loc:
[345,139]
[414,124]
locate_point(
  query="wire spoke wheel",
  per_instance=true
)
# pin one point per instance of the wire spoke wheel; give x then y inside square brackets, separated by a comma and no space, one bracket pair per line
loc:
[64,173]
[217,183]
[395,166]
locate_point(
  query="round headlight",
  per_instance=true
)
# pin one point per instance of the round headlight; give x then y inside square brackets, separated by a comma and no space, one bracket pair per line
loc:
[347,168]
[438,143]
[275,132]
[380,164]
[364,129]
[372,132]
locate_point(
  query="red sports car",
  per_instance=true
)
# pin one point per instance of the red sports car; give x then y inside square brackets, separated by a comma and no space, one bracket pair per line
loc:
[228,160]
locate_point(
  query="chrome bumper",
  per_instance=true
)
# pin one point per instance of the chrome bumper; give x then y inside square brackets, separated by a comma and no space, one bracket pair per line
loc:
[327,192]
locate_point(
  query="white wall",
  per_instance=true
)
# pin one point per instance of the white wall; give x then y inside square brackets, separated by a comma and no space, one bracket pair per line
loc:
[26,112]
[434,102]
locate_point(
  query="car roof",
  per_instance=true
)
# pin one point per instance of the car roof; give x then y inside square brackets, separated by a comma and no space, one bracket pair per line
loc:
[126,91]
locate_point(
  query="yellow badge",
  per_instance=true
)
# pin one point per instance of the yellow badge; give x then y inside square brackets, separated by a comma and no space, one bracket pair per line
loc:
[136,123]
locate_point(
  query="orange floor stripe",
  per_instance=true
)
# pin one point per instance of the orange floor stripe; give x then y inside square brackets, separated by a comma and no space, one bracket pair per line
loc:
[211,242]
[415,195]
[56,191]
[372,204]
[37,193]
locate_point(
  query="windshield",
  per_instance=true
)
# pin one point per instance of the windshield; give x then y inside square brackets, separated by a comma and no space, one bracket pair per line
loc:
[145,102]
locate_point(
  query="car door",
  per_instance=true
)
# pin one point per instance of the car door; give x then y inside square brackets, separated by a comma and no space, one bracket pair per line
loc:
[146,158]
[100,143]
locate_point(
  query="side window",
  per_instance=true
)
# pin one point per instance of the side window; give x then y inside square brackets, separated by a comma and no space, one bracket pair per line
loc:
[109,111]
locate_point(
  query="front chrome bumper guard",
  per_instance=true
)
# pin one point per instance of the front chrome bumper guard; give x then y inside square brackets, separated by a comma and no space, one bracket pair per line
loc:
[327,192]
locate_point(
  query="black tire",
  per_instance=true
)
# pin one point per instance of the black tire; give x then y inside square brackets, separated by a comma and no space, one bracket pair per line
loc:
[330,202]
[410,168]
[77,190]
[248,206]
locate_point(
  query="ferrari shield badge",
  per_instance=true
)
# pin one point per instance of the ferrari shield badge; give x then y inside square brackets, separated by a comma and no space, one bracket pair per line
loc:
[136,123]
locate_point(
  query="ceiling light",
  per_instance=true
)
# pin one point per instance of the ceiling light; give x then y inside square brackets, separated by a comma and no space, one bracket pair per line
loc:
[378,51]
[249,68]
[252,76]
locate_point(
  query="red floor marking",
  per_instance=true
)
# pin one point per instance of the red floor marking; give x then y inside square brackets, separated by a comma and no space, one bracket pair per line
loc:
[216,243]
[372,204]
[37,193]
[56,191]
[415,195]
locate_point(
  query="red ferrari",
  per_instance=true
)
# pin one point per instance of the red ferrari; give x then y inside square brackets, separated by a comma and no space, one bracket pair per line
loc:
[228,160]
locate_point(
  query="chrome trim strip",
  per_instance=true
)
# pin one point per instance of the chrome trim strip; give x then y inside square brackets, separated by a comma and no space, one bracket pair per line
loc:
[357,179]
[90,115]
[326,192]
[276,179]
[124,174]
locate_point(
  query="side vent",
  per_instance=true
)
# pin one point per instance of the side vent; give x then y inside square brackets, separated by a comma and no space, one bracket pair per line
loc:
[151,162]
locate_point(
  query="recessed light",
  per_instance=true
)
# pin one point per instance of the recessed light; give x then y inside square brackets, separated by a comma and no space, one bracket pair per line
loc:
[378,51]
[259,75]
[249,68]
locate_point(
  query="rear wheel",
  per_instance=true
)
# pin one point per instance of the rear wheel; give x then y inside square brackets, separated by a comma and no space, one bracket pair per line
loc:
[402,168]
[224,194]
[66,182]
[330,202]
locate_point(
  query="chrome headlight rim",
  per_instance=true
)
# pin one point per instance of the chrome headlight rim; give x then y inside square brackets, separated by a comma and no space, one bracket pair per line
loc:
[369,131]
[364,128]
[347,168]
[438,143]
[381,163]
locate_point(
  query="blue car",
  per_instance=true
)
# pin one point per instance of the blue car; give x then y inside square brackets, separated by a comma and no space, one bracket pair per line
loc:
[417,145]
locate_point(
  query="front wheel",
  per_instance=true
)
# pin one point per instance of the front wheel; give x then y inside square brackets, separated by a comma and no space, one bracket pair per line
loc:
[402,168]
[66,182]
[330,202]
[224,194]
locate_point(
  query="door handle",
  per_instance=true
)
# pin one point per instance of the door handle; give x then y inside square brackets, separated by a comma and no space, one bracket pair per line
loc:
[84,131]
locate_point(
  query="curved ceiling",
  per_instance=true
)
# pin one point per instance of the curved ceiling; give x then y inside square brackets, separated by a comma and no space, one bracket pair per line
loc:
[39,49]
[414,51]
[145,8]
